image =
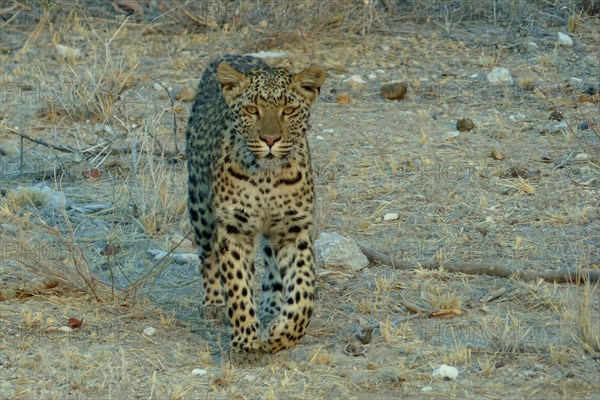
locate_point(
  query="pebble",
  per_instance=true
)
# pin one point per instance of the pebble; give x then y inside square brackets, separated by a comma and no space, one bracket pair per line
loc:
[149,331]
[465,124]
[498,155]
[533,45]
[354,80]
[582,157]
[562,125]
[500,75]
[564,39]
[390,217]
[187,94]
[372,76]
[555,116]
[319,137]
[517,116]
[343,98]
[426,389]
[583,126]
[445,371]
[394,90]
[10,148]
[328,130]
[199,371]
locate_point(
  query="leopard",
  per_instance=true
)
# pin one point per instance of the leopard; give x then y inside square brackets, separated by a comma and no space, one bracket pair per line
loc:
[251,189]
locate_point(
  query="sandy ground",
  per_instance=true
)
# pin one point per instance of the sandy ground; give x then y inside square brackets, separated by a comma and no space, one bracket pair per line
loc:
[520,188]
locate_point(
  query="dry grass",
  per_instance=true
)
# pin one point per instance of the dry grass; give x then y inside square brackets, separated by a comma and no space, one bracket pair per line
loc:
[375,157]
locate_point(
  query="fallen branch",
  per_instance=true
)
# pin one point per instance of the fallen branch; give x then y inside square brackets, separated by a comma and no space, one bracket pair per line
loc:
[107,150]
[489,268]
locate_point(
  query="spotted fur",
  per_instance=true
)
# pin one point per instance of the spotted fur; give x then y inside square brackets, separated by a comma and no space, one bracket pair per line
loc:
[250,179]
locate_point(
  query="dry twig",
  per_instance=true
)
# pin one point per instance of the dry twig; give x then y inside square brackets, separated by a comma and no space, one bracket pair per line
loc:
[490,268]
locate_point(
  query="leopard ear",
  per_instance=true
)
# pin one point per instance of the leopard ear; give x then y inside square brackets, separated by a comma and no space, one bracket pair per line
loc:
[309,81]
[231,81]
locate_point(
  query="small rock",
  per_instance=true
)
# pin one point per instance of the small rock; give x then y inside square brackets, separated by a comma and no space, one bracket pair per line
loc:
[394,90]
[372,367]
[564,40]
[380,71]
[390,217]
[500,75]
[452,135]
[582,157]
[445,371]
[372,76]
[426,389]
[343,98]
[319,137]
[149,331]
[561,126]
[385,48]
[328,130]
[497,155]
[340,252]
[555,116]
[157,86]
[10,148]
[465,124]
[199,371]
[583,125]
[65,329]
[517,116]
[533,46]
[186,94]
[577,82]
[354,80]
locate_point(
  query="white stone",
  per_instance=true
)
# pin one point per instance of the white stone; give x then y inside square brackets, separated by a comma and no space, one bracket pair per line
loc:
[385,48]
[354,80]
[65,329]
[582,157]
[426,389]
[390,216]
[340,252]
[372,76]
[149,331]
[576,81]
[564,39]
[199,371]
[10,148]
[562,126]
[328,130]
[533,45]
[517,116]
[157,86]
[319,137]
[500,75]
[445,371]
[380,72]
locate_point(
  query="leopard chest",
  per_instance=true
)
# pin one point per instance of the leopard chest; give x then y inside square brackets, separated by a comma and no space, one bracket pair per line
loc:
[265,200]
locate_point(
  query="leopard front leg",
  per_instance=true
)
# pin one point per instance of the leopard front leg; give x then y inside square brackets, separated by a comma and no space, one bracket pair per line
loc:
[296,263]
[233,254]
[272,288]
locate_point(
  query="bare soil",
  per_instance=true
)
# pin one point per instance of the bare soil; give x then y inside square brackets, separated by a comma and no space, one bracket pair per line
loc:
[520,188]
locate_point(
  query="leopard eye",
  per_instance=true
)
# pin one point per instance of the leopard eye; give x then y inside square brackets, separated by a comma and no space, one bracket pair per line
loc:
[288,110]
[251,110]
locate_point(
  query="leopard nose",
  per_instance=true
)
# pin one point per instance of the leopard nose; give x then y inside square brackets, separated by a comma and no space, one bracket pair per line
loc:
[270,140]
